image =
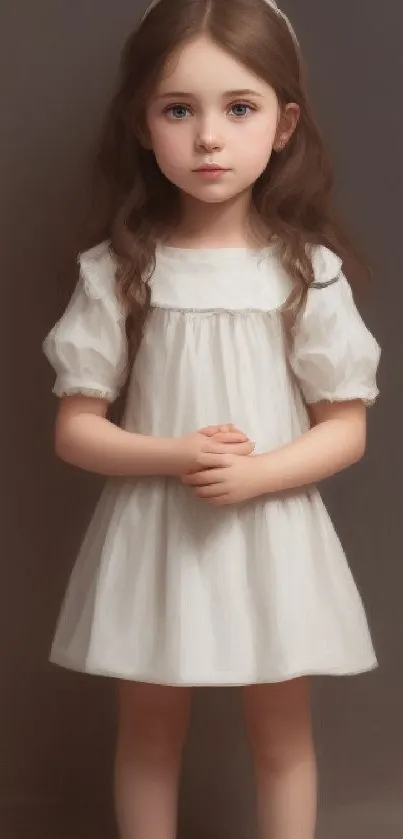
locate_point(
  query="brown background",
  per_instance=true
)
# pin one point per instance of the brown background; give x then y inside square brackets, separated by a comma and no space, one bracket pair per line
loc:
[56,728]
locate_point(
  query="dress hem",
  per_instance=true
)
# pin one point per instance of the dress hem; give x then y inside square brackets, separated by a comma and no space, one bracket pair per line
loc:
[64,661]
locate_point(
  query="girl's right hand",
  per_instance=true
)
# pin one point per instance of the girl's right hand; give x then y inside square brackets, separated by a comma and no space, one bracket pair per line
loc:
[224,439]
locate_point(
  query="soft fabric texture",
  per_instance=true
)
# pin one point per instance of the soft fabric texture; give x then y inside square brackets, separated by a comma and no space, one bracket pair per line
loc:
[167,589]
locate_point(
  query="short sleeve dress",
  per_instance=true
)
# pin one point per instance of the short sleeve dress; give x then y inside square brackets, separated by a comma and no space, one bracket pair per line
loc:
[167,589]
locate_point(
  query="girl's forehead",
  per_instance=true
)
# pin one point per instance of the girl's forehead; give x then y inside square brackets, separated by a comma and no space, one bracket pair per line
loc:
[203,64]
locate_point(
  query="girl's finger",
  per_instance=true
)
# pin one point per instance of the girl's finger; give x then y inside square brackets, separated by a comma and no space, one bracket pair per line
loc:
[230,437]
[214,460]
[210,492]
[210,430]
[205,478]
[233,429]
[243,448]
[224,433]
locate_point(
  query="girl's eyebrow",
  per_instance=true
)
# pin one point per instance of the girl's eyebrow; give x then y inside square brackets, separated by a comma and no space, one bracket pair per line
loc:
[183,94]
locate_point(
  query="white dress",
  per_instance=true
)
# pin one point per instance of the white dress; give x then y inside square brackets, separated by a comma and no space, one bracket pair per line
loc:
[167,589]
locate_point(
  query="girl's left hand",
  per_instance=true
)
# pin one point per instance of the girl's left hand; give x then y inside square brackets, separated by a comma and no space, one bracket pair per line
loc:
[228,479]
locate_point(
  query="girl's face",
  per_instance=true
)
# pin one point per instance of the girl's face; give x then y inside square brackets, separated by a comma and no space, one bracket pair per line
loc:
[210,111]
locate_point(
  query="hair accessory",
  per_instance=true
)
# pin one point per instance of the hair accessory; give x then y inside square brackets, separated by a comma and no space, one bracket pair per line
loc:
[282,14]
[271,3]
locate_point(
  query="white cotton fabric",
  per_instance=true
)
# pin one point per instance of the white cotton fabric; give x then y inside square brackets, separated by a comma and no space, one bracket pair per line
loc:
[167,589]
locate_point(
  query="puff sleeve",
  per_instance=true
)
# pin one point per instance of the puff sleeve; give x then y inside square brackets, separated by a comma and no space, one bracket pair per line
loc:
[334,356]
[88,347]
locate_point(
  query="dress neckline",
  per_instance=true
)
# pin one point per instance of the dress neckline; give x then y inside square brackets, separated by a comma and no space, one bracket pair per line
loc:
[212,255]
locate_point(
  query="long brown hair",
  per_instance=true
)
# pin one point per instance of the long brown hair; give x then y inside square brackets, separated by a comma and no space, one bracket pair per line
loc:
[134,204]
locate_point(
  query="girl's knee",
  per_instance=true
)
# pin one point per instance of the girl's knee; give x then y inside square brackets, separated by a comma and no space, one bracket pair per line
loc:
[279,727]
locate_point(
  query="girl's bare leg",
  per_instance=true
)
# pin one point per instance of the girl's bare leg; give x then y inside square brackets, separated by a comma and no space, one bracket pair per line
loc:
[278,720]
[153,724]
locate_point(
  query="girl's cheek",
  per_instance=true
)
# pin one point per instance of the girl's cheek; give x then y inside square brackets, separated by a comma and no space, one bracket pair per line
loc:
[172,147]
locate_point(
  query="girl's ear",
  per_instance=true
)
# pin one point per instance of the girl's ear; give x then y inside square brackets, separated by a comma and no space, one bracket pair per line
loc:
[142,134]
[287,124]
[144,140]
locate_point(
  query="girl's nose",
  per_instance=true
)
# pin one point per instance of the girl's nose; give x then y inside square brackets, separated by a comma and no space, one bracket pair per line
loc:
[208,137]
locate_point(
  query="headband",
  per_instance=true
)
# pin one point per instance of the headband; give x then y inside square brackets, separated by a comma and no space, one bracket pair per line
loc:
[273,5]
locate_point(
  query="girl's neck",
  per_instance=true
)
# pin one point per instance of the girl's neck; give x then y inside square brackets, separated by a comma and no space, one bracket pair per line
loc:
[217,225]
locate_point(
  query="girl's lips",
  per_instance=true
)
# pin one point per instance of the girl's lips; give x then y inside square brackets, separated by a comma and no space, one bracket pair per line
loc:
[210,172]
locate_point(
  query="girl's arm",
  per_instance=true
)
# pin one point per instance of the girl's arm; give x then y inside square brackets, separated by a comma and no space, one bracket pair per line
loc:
[85,438]
[336,441]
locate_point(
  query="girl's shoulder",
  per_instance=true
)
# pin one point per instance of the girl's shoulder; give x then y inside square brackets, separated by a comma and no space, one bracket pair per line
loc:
[327,266]
[98,270]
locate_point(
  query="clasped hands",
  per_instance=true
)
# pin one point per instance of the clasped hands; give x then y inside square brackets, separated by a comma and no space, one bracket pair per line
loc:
[218,464]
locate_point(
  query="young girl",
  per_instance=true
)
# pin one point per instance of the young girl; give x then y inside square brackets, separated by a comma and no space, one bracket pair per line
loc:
[216,278]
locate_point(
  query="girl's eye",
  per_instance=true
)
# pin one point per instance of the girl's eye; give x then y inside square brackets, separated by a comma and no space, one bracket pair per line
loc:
[178,112]
[241,109]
